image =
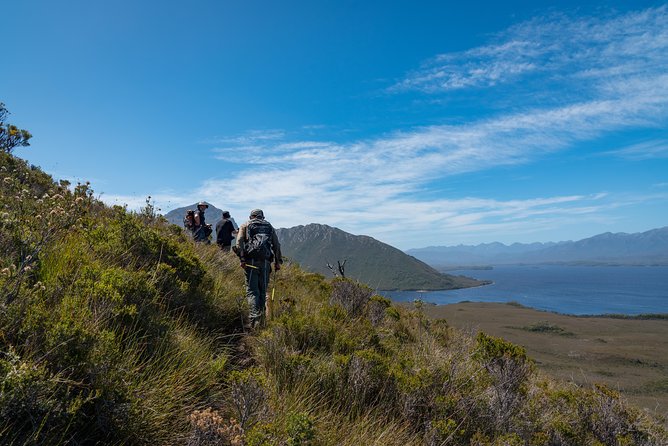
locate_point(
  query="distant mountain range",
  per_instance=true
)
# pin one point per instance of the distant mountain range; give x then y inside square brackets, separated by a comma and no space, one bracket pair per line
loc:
[370,261]
[646,248]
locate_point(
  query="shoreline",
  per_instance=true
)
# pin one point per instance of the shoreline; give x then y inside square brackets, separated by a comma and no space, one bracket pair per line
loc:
[489,282]
[512,303]
[583,263]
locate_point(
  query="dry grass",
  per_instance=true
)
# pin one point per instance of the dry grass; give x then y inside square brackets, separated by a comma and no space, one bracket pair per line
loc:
[630,355]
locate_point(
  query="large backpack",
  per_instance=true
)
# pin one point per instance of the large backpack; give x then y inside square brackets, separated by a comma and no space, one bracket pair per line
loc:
[189,221]
[258,246]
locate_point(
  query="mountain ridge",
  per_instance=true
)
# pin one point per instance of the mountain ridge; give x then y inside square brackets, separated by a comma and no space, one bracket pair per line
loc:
[368,260]
[643,248]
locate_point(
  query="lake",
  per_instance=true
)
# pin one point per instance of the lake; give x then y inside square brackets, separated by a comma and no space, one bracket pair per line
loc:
[579,290]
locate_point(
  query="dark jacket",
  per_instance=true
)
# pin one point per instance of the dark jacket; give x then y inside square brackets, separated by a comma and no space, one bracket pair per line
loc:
[224,230]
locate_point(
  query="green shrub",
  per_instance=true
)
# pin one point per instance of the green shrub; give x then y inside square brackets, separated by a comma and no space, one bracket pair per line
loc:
[351,296]
[377,307]
[264,434]
[508,367]
[546,327]
[300,430]
[248,395]
[308,332]
[369,380]
[393,313]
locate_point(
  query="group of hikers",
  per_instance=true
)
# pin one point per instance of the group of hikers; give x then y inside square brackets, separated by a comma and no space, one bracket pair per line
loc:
[256,245]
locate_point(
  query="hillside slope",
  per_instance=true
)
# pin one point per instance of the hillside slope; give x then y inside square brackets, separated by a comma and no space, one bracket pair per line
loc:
[117,329]
[377,264]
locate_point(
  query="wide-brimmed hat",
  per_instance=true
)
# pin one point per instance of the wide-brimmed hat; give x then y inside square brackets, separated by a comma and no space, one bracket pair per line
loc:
[257,213]
[201,203]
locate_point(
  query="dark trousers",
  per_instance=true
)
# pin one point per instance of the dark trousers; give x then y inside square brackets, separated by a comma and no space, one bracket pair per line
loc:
[257,278]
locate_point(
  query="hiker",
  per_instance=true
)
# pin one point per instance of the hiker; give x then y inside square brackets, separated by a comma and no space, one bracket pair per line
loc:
[225,232]
[189,222]
[257,246]
[201,230]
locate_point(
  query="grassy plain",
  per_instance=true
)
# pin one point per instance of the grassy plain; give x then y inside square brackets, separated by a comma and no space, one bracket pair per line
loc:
[630,355]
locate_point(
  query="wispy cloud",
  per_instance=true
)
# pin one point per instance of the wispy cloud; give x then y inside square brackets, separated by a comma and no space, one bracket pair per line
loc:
[249,138]
[644,151]
[558,48]
[479,67]
[163,201]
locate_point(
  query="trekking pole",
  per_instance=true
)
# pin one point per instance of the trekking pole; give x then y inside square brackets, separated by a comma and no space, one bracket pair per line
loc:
[273,289]
[267,298]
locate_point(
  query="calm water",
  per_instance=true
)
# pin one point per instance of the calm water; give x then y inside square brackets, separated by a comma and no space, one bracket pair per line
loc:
[564,289]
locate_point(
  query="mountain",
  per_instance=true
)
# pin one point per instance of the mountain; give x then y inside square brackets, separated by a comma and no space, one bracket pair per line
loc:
[646,248]
[377,264]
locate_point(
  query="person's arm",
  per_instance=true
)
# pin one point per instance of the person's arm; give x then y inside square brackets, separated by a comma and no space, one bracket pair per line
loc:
[240,244]
[196,219]
[278,257]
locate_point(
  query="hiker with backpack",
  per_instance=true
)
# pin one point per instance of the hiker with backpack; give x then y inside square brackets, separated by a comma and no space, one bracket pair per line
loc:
[189,222]
[257,247]
[201,230]
[225,232]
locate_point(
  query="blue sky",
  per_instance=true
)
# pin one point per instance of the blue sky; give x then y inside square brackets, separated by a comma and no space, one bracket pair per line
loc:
[418,123]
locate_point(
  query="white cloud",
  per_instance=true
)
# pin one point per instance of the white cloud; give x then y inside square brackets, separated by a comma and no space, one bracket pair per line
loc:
[162,201]
[250,138]
[615,67]
[644,151]
[355,185]
[562,49]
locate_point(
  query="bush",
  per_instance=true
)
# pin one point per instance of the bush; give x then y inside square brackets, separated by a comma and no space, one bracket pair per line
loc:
[508,368]
[351,296]
[247,395]
[378,306]
[209,428]
[300,430]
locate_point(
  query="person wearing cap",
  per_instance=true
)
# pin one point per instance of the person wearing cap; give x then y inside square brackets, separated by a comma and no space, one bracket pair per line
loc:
[200,229]
[225,232]
[257,246]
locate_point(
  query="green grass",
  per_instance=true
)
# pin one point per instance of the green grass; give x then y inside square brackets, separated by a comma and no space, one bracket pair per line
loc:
[658,386]
[545,327]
